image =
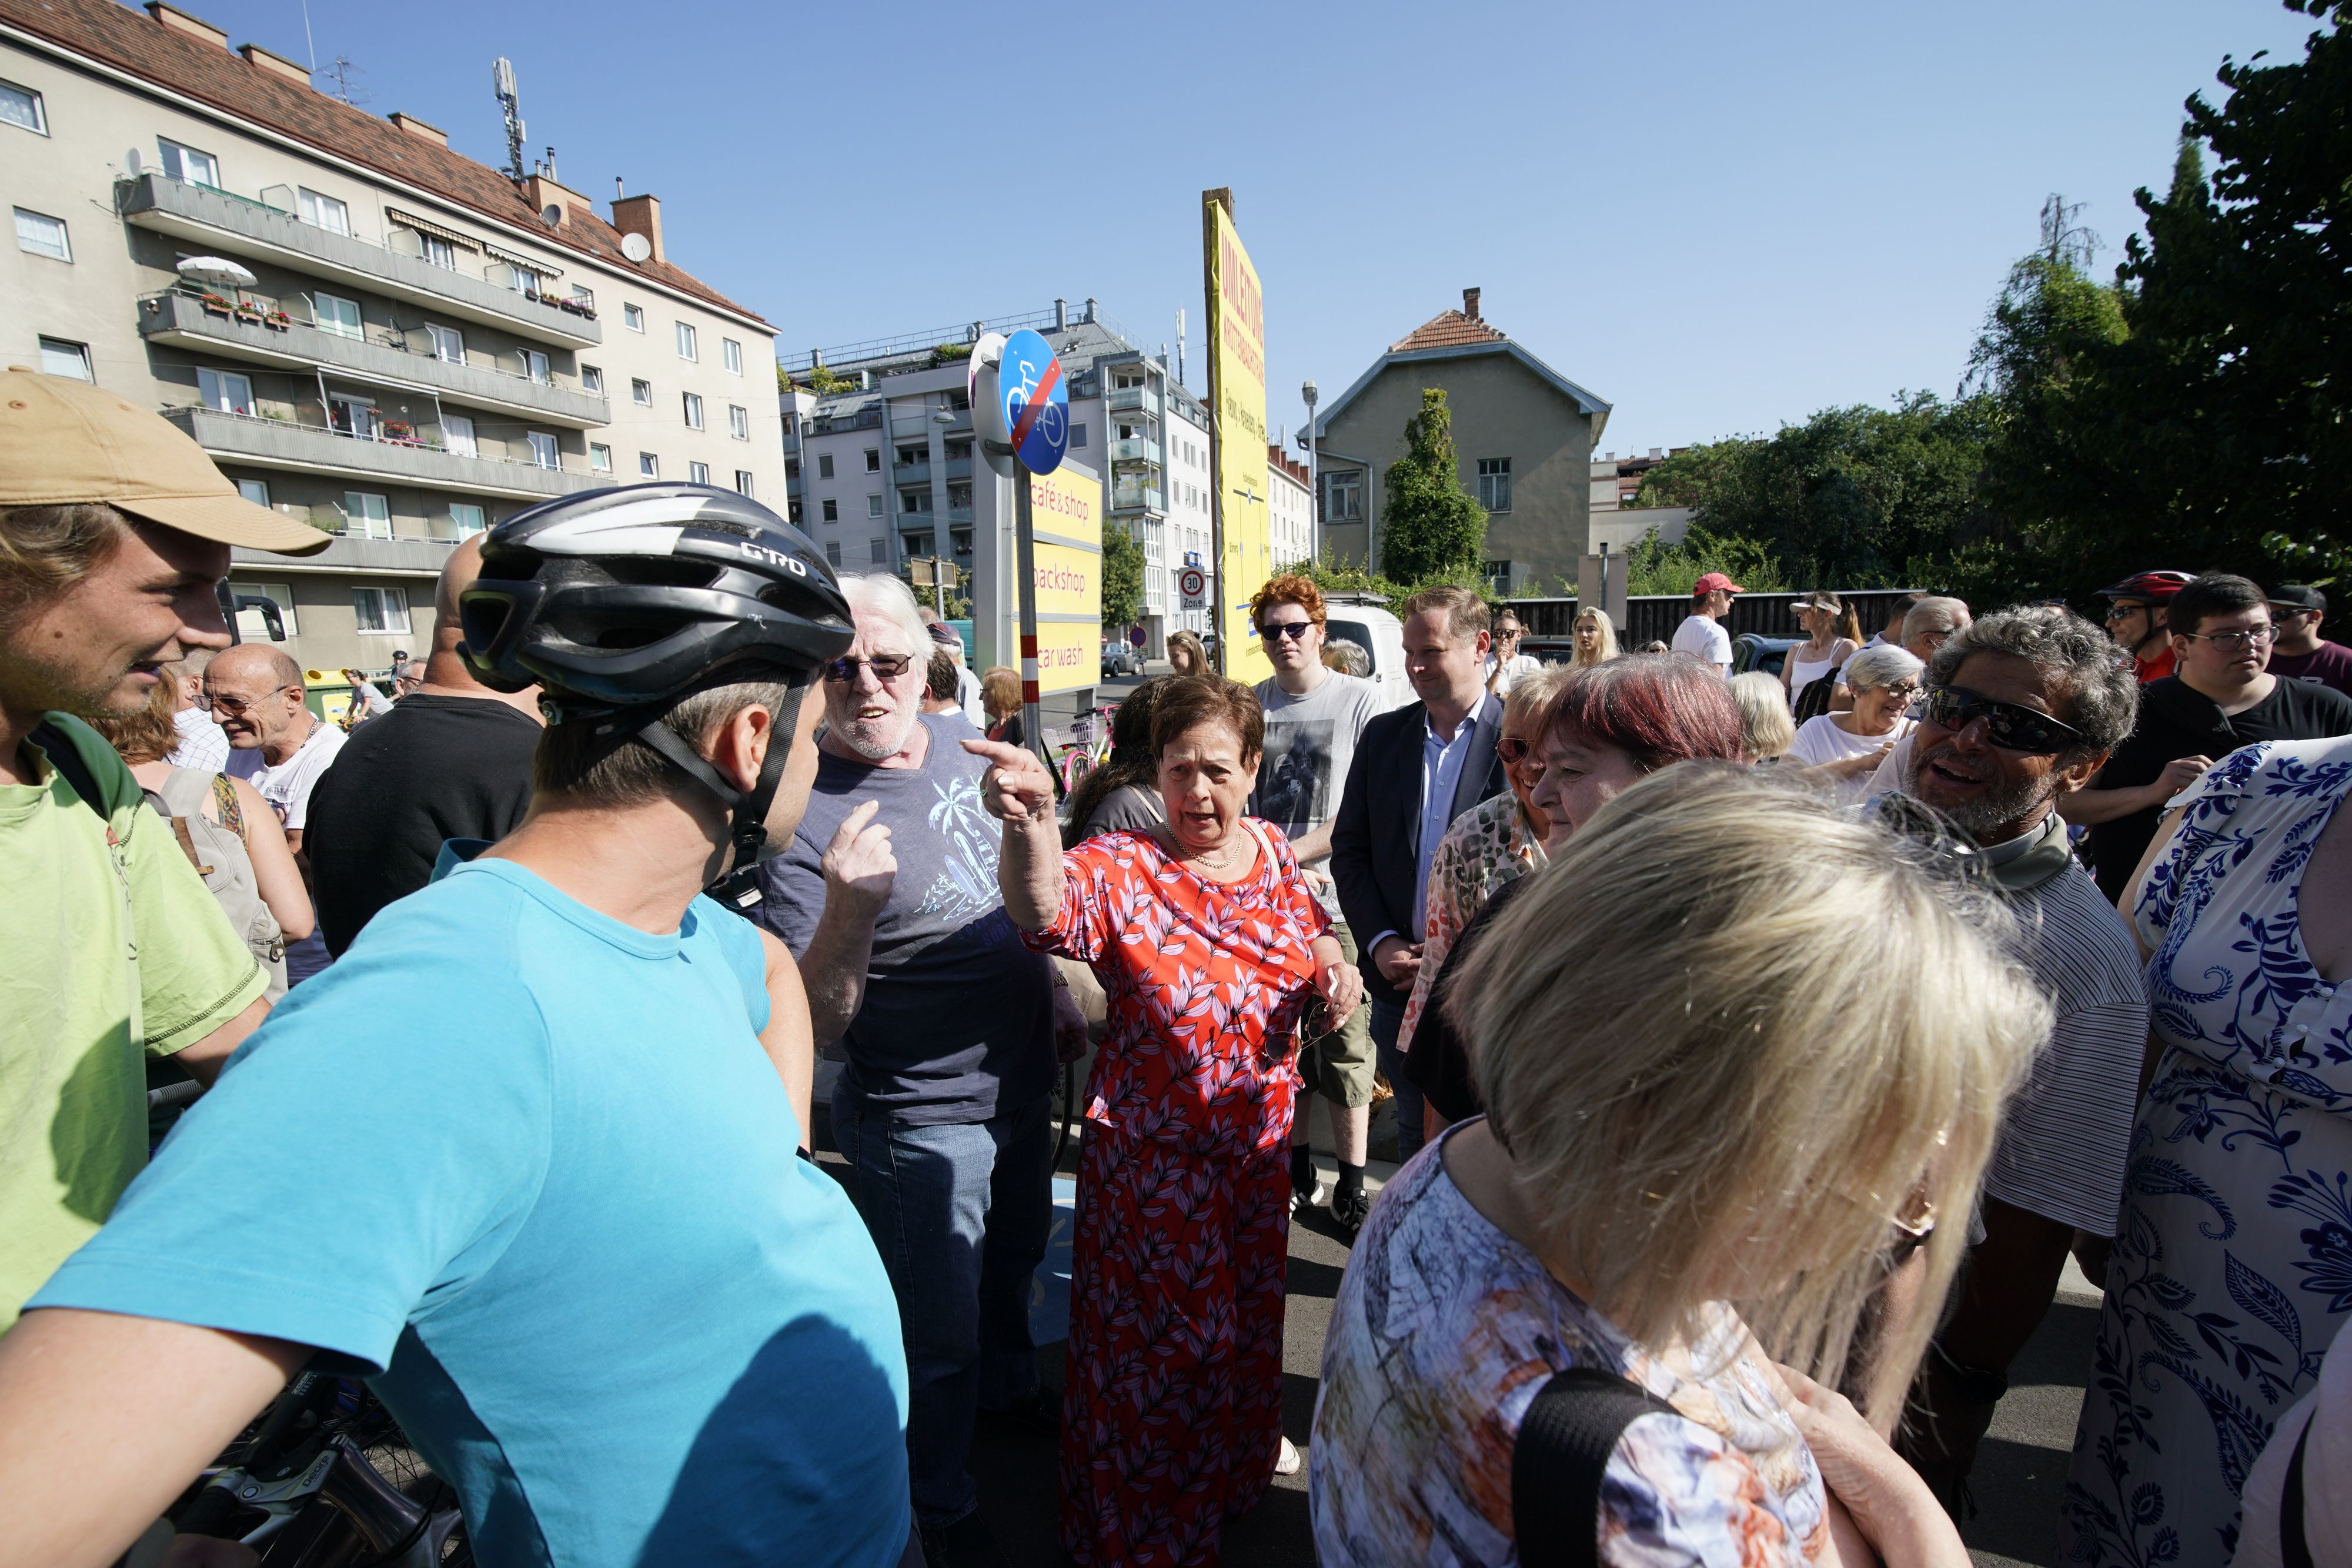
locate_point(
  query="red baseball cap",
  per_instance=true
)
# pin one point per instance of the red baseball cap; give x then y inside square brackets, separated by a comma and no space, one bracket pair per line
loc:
[1713,580]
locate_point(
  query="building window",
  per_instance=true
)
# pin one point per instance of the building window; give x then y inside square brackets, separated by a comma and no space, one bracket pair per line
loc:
[959,450]
[832,511]
[226,391]
[458,435]
[534,365]
[686,345]
[697,473]
[1078,437]
[542,449]
[693,412]
[1494,484]
[249,624]
[794,519]
[914,501]
[1343,496]
[335,314]
[743,483]
[833,552]
[881,552]
[1498,574]
[730,354]
[351,414]
[584,297]
[600,457]
[649,466]
[642,393]
[791,467]
[874,460]
[437,251]
[873,505]
[591,380]
[825,464]
[254,490]
[189,166]
[739,421]
[911,456]
[918,543]
[41,235]
[21,107]
[369,517]
[449,344]
[467,520]
[633,317]
[382,610]
[62,358]
[959,498]
[323,212]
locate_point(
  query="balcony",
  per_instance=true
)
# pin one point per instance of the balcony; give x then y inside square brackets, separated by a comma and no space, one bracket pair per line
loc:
[918,426]
[959,467]
[185,322]
[217,221]
[1138,499]
[315,449]
[1135,450]
[1131,400]
[958,517]
[911,473]
[406,556]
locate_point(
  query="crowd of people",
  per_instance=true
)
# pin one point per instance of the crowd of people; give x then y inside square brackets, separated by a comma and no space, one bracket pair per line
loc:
[1760,1047]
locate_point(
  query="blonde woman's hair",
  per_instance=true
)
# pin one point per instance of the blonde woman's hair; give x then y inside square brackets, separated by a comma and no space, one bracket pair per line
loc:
[1608,638]
[1193,651]
[1766,727]
[1530,694]
[1711,1092]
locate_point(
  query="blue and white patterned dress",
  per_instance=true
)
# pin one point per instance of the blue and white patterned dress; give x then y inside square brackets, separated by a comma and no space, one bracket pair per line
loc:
[2232,1266]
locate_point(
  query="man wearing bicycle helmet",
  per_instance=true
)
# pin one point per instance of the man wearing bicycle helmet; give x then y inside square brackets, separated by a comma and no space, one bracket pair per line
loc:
[2138,611]
[525,1156]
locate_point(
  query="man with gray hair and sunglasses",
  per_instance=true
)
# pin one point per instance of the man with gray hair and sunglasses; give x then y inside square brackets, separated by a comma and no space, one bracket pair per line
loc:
[2021,709]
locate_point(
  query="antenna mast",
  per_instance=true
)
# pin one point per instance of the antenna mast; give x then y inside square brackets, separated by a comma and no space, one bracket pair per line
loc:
[502,82]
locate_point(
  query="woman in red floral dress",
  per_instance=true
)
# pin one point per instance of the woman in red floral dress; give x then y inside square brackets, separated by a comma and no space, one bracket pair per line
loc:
[1211,948]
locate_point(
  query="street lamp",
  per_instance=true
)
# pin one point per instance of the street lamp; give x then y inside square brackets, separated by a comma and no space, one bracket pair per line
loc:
[1310,391]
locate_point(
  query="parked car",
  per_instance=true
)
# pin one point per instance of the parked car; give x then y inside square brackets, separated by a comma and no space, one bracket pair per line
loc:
[1754,651]
[1380,635]
[1119,660]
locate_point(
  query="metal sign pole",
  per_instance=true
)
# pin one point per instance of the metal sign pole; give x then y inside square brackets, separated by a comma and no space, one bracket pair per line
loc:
[1024,535]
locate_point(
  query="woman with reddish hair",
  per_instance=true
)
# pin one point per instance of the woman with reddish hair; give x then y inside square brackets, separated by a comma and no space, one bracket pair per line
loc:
[1601,731]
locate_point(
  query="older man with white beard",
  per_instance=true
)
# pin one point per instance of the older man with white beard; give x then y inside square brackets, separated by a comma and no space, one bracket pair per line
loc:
[948,1025]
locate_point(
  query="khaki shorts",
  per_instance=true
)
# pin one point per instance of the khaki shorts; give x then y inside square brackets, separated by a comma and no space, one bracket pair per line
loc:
[1340,1067]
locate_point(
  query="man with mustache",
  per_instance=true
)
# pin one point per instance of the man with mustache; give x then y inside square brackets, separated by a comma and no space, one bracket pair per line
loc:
[281,749]
[2023,708]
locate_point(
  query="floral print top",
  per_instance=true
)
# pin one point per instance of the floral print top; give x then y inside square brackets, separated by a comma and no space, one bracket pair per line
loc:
[1445,1331]
[1489,845]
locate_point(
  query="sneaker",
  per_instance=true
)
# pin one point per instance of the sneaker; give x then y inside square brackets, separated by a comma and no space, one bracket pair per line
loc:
[966,1544]
[1286,1459]
[1303,1198]
[1350,1209]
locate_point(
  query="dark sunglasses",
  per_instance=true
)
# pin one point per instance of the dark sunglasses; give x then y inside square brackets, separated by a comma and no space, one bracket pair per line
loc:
[2007,725]
[889,667]
[1286,630]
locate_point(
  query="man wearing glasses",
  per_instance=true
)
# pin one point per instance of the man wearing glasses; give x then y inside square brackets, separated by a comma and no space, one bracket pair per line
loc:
[947,1027]
[2023,708]
[2138,609]
[2222,697]
[276,746]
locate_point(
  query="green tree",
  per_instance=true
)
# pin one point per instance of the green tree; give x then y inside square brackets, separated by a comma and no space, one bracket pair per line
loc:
[1654,567]
[1122,577]
[1430,526]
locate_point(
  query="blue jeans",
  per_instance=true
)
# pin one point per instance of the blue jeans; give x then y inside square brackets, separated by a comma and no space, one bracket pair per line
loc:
[961,1214]
[1387,1019]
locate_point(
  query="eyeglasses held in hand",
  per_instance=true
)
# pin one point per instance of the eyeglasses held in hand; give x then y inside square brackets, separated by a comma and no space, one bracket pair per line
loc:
[2237,641]
[2009,726]
[1286,631]
[889,667]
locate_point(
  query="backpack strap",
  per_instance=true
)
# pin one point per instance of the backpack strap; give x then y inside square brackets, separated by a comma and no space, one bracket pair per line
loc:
[232,815]
[188,846]
[66,760]
[1563,1448]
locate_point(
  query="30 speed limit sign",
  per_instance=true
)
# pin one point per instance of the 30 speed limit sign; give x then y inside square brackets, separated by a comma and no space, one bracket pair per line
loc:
[1193,583]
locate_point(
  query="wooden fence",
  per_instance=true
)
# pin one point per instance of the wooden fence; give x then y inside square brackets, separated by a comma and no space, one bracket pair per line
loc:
[1551,623]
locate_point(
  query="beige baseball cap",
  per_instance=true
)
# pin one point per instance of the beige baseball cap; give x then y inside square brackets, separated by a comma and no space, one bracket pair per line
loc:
[64,441]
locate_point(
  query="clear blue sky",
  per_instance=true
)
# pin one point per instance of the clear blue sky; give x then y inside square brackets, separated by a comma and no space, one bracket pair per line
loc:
[1716,216]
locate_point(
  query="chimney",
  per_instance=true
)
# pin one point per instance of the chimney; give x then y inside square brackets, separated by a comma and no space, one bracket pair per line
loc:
[1655,454]
[1061,314]
[640,215]
[255,55]
[194,26]
[1470,303]
[546,191]
[417,128]
[1090,311]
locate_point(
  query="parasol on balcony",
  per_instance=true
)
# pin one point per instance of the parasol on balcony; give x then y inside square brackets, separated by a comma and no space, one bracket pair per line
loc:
[217,270]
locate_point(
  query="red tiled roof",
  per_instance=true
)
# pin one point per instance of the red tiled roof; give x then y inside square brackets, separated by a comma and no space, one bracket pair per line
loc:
[132,41]
[1446,329]
[1285,462]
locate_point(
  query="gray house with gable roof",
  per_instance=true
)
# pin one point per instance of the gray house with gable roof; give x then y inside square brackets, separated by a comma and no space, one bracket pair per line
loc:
[1523,432]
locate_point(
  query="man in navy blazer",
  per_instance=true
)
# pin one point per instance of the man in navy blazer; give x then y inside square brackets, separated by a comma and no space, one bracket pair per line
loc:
[1415,770]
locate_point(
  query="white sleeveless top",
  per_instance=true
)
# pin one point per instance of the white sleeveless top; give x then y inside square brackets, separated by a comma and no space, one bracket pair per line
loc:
[1802,675]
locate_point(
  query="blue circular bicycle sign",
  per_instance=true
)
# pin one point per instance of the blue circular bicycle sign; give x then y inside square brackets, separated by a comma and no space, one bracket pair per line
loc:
[1036,401]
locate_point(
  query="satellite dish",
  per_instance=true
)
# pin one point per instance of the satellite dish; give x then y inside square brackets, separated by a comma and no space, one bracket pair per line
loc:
[552,215]
[131,162]
[636,247]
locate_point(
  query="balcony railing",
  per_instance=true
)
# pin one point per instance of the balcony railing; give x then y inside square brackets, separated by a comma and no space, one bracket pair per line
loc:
[911,473]
[1135,450]
[1136,498]
[284,443]
[831,423]
[1128,399]
[259,330]
[240,226]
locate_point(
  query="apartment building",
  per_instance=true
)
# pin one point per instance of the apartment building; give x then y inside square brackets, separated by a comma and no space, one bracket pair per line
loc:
[1290,508]
[1617,523]
[880,468]
[364,327]
[1523,434]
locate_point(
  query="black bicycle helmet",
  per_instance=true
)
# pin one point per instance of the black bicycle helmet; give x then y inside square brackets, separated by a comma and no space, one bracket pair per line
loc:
[617,603]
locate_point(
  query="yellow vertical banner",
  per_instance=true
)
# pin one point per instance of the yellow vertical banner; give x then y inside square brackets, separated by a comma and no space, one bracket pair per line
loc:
[1067,509]
[1237,455]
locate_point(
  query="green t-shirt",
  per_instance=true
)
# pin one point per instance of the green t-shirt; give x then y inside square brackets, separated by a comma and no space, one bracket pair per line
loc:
[114,948]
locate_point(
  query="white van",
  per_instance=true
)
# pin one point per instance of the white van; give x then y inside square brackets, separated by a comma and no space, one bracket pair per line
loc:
[1370,627]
